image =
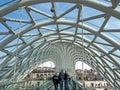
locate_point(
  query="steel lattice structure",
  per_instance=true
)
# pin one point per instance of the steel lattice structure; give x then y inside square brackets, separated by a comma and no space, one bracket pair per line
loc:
[34,31]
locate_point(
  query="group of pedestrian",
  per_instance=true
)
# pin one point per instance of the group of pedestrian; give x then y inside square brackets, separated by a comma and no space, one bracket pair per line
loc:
[61,79]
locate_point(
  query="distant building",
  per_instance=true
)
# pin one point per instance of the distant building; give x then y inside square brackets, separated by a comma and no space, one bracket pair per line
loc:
[89,75]
[46,72]
[41,72]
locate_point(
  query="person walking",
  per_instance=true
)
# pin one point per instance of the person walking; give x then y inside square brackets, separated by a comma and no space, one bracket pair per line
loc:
[55,81]
[61,79]
[66,78]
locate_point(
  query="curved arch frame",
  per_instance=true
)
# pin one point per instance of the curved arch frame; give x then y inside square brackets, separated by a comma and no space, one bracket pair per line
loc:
[97,5]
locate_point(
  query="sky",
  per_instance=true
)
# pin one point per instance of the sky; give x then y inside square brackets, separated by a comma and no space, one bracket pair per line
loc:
[90,12]
[78,65]
[3,2]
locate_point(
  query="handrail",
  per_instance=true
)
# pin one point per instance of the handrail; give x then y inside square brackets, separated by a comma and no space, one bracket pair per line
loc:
[10,83]
[45,86]
[23,85]
[76,85]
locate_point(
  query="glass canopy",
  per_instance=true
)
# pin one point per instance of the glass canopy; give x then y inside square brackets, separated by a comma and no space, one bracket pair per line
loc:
[28,26]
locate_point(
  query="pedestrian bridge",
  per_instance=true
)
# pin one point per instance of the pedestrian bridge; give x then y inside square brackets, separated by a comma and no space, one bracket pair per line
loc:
[62,31]
[40,84]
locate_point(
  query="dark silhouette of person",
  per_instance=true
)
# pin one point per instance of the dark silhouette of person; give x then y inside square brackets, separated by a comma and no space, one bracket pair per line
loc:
[61,79]
[66,78]
[55,81]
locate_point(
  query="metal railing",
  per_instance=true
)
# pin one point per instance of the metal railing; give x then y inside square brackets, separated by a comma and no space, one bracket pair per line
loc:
[33,84]
[76,85]
[40,84]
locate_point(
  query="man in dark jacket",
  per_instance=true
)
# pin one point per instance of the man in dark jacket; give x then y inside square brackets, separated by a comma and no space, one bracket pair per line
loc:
[55,81]
[66,78]
[61,79]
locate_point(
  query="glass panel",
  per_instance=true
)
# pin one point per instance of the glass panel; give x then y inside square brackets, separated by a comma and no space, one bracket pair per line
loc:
[114,36]
[39,17]
[72,15]
[103,44]
[65,6]
[5,2]
[95,23]
[116,58]
[45,7]
[113,23]
[110,63]
[117,52]
[108,2]
[108,75]
[25,50]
